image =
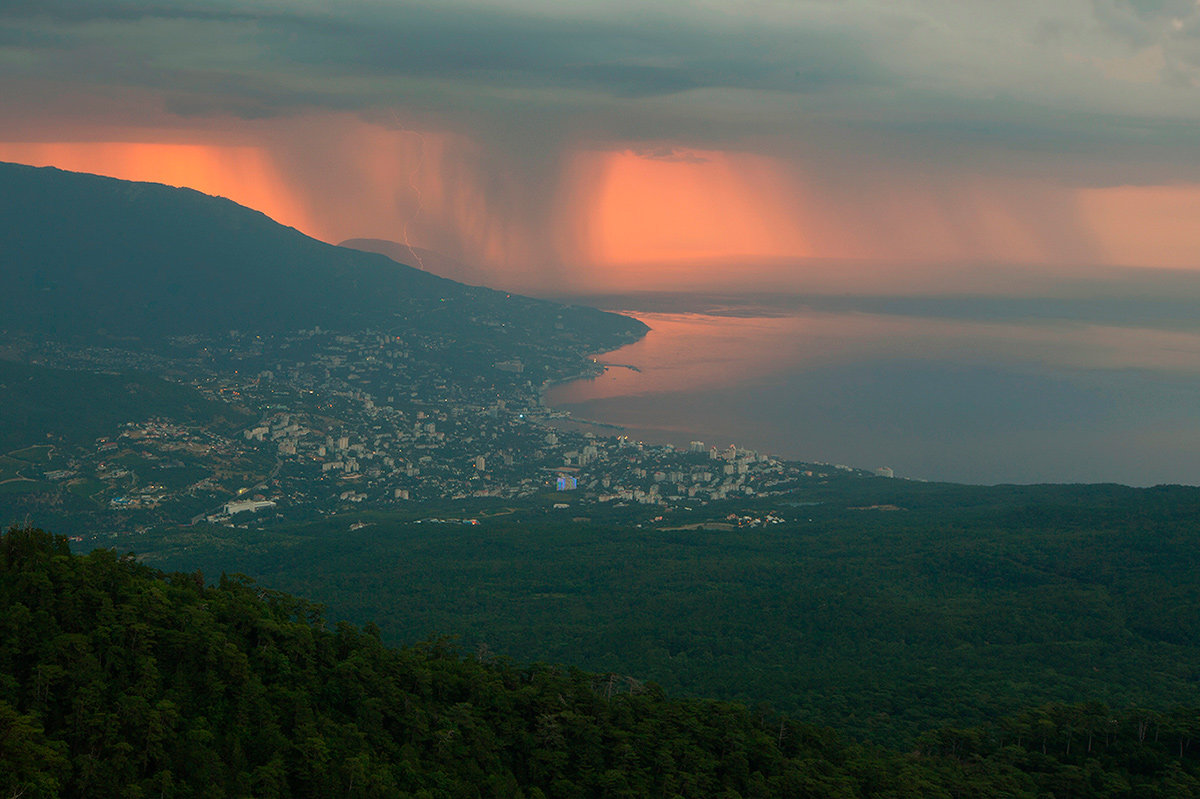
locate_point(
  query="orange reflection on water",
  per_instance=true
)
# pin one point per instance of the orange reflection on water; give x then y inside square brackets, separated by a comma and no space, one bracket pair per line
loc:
[681,352]
[692,351]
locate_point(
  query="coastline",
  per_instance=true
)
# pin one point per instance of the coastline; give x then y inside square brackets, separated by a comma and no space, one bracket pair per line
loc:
[593,368]
[551,382]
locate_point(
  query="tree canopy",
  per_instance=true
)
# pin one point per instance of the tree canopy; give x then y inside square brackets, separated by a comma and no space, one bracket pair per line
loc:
[119,680]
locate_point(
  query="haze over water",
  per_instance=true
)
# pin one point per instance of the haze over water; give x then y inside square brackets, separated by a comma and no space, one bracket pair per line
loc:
[966,390]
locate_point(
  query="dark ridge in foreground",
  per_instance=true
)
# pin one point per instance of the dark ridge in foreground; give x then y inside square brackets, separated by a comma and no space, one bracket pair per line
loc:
[117,680]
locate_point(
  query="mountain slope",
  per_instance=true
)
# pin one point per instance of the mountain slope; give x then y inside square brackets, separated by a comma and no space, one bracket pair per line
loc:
[884,607]
[119,681]
[428,260]
[84,253]
[43,404]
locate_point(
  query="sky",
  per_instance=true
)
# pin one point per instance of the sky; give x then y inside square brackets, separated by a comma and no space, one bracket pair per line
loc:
[609,146]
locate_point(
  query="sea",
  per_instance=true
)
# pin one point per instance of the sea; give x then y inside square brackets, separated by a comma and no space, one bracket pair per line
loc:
[974,390]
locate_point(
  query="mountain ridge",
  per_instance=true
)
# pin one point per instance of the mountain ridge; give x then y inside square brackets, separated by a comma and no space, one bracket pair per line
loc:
[148,260]
[429,260]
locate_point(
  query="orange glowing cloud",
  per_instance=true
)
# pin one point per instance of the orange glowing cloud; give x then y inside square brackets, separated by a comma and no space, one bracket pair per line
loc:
[246,175]
[621,219]
[690,206]
[710,217]
[1145,225]
[333,178]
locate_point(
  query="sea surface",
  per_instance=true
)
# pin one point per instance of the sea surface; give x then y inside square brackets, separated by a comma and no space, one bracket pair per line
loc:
[974,392]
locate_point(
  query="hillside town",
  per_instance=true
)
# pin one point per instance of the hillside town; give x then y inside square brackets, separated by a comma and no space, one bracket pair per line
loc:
[333,421]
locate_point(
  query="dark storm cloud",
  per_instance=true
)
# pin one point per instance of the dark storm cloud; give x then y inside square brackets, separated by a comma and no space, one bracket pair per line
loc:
[1022,76]
[72,11]
[622,57]
[1141,21]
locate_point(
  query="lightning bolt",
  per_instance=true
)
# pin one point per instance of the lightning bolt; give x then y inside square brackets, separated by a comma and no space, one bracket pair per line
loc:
[412,183]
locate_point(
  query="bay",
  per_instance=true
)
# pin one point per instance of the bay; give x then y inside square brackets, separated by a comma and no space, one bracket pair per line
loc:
[950,397]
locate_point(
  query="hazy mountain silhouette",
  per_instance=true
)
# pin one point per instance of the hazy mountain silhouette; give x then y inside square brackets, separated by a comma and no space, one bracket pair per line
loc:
[428,260]
[84,254]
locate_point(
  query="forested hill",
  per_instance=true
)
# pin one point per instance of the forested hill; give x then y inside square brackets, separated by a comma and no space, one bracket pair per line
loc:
[84,254]
[117,680]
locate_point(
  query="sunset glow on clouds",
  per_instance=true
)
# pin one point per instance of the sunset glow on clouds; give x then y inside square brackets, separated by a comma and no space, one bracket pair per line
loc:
[1145,225]
[610,146]
[616,214]
[246,175]
[687,206]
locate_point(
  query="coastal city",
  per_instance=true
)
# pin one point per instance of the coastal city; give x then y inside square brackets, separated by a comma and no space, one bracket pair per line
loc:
[321,422]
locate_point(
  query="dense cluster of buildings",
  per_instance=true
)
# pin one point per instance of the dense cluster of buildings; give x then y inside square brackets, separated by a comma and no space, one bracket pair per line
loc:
[337,421]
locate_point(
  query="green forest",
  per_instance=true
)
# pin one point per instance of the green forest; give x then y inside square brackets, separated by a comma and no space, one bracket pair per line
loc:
[120,680]
[57,406]
[959,606]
